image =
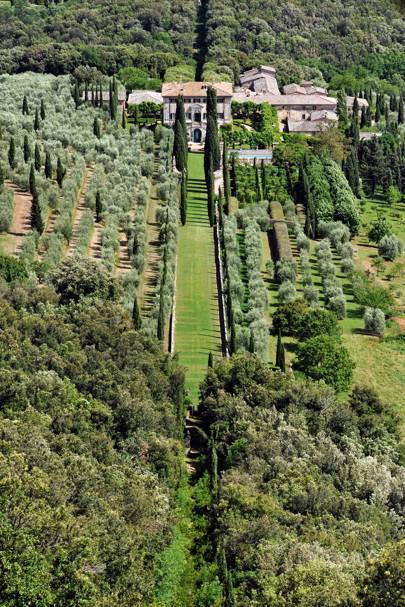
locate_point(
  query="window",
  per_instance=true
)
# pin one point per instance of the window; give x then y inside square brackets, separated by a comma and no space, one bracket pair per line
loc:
[205,116]
[303,116]
[188,115]
[314,107]
[220,116]
[172,116]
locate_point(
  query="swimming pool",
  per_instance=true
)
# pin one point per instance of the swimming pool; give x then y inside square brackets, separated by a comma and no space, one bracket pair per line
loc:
[254,154]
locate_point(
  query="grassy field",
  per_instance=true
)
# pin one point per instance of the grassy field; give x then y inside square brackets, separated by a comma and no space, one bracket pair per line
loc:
[197,318]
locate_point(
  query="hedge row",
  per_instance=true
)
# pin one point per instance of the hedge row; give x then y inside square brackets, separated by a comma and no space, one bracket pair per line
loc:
[280,229]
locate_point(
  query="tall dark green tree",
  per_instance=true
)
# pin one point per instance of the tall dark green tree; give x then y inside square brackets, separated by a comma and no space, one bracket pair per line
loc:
[280,354]
[42,110]
[26,149]
[136,315]
[76,93]
[401,117]
[37,158]
[180,148]
[113,102]
[342,110]
[210,182]
[160,332]
[37,122]
[86,91]
[183,199]
[48,165]
[226,177]
[11,153]
[96,127]
[25,108]
[212,125]
[210,360]
[60,172]
[36,216]
[99,207]
[32,179]
[351,169]
[1,176]
[124,119]
[363,118]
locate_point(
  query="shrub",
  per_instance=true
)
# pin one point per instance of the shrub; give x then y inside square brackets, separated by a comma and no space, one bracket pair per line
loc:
[6,208]
[12,268]
[77,277]
[287,292]
[285,270]
[379,229]
[374,320]
[288,317]
[347,265]
[324,357]
[368,293]
[390,247]
[302,242]
[311,295]
[317,322]
[337,304]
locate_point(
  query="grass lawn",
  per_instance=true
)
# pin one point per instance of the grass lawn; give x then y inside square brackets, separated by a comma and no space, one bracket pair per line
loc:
[197,318]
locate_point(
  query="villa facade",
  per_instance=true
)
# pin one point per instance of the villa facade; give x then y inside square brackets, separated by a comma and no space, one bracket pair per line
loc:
[195,105]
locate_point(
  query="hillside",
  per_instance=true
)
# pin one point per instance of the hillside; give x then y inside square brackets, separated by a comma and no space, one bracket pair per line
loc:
[308,39]
[302,39]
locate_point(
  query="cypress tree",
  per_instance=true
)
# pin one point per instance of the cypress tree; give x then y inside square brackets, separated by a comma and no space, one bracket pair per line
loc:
[37,157]
[86,91]
[11,153]
[37,123]
[95,97]
[363,119]
[48,165]
[232,331]
[60,172]
[135,246]
[342,110]
[42,110]
[377,112]
[214,471]
[100,95]
[1,176]
[115,86]
[180,148]
[210,194]
[161,322]
[212,112]
[210,360]
[280,355]
[32,180]
[351,174]
[26,149]
[76,94]
[209,145]
[386,114]
[113,102]
[401,118]
[124,119]
[257,184]
[310,222]
[96,128]
[25,108]
[99,207]
[226,177]
[183,199]
[136,316]
[36,217]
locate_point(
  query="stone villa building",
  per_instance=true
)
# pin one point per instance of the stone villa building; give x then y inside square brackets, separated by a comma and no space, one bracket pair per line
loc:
[195,105]
[302,108]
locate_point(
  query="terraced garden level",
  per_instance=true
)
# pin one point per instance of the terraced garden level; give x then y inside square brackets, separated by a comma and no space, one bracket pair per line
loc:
[197,331]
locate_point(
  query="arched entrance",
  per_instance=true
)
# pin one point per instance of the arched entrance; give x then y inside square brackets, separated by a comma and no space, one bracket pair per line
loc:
[197,135]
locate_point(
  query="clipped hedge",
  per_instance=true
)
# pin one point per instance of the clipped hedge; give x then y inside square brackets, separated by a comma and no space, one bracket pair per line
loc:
[284,250]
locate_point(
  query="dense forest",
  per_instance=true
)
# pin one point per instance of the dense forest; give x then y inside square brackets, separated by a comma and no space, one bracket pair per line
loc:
[90,451]
[304,489]
[309,39]
[343,42]
[108,35]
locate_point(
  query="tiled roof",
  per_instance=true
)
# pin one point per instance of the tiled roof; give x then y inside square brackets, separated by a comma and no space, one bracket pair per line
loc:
[286,100]
[142,96]
[196,89]
[304,126]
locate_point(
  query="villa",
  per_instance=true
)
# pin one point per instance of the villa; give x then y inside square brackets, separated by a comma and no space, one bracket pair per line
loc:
[195,105]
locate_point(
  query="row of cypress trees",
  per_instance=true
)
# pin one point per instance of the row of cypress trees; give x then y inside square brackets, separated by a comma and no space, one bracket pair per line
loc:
[212,151]
[180,151]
